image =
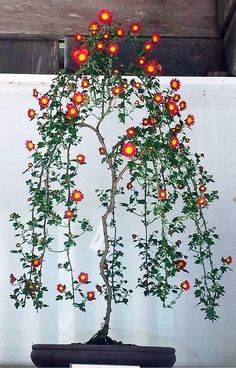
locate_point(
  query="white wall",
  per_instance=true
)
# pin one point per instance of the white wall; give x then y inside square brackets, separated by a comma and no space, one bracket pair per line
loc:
[197,342]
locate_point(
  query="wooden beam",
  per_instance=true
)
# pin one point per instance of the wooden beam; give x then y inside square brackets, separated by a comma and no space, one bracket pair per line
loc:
[226,10]
[57,18]
[230,47]
[28,57]
[179,56]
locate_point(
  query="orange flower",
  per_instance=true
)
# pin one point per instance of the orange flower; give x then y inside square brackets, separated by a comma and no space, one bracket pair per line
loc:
[76,196]
[129,149]
[72,111]
[100,46]
[31,114]
[151,67]
[174,142]
[185,285]
[201,201]
[176,97]
[146,121]
[83,278]
[102,151]
[148,46]
[181,264]
[105,16]
[91,295]
[175,84]
[172,108]
[162,194]
[61,288]
[94,27]
[129,185]
[80,159]
[120,32]
[131,132]
[202,188]
[137,85]
[113,49]
[135,28]
[44,101]
[80,56]
[141,60]
[85,83]
[158,98]
[69,214]
[117,90]
[35,93]
[78,36]
[189,120]
[78,98]
[29,145]
[182,105]
[36,262]
[156,38]
[228,260]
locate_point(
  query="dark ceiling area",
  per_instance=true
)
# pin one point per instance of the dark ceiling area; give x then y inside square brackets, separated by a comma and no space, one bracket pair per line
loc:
[198,37]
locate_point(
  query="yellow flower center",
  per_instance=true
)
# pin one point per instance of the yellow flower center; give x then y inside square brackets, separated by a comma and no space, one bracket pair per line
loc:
[100,45]
[82,57]
[105,16]
[72,111]
[174,84]
[77,195]
[174,141]
[129,150]
[79,98]
[112,49]
[148,47]
[135,27]
[44,100]
[171,107]
[150,68]
[155,38]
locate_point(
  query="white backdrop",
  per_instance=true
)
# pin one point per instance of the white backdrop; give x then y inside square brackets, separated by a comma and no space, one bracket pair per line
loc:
[198,342]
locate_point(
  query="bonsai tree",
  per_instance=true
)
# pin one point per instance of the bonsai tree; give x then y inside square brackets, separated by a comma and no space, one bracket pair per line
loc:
[167,189]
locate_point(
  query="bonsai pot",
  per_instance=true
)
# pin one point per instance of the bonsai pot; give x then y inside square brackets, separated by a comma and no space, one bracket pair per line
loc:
[62,355]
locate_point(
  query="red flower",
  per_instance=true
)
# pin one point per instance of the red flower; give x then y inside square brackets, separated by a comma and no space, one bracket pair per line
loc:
[158,98]
[85,83]
[76,196]
[131,132]
[12,279]
[44,101]
[148,46]
[35,93]
[100,46]
[91,295]
[141,60]
[29,145]
[181,264]
[156,38]
[102,151]
[36,262]
[176,97]
[172,108]
[31,114]
[151,67]
[61,288]
[228,260]
[78,36]
[162,194]
[105,16]
[202,188]
[106,36]
[94,27]
[201,201]
[72,111]
[182,105]
[117,90]
[113,49]
[129,149]
[185,285]
[80,159]
[146,121]
[120,32]
[78,98]
[174,142]
[83,278]
[69,214]
[175,84]
[80,56]
[135,28]
[189,120]
[129,185]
